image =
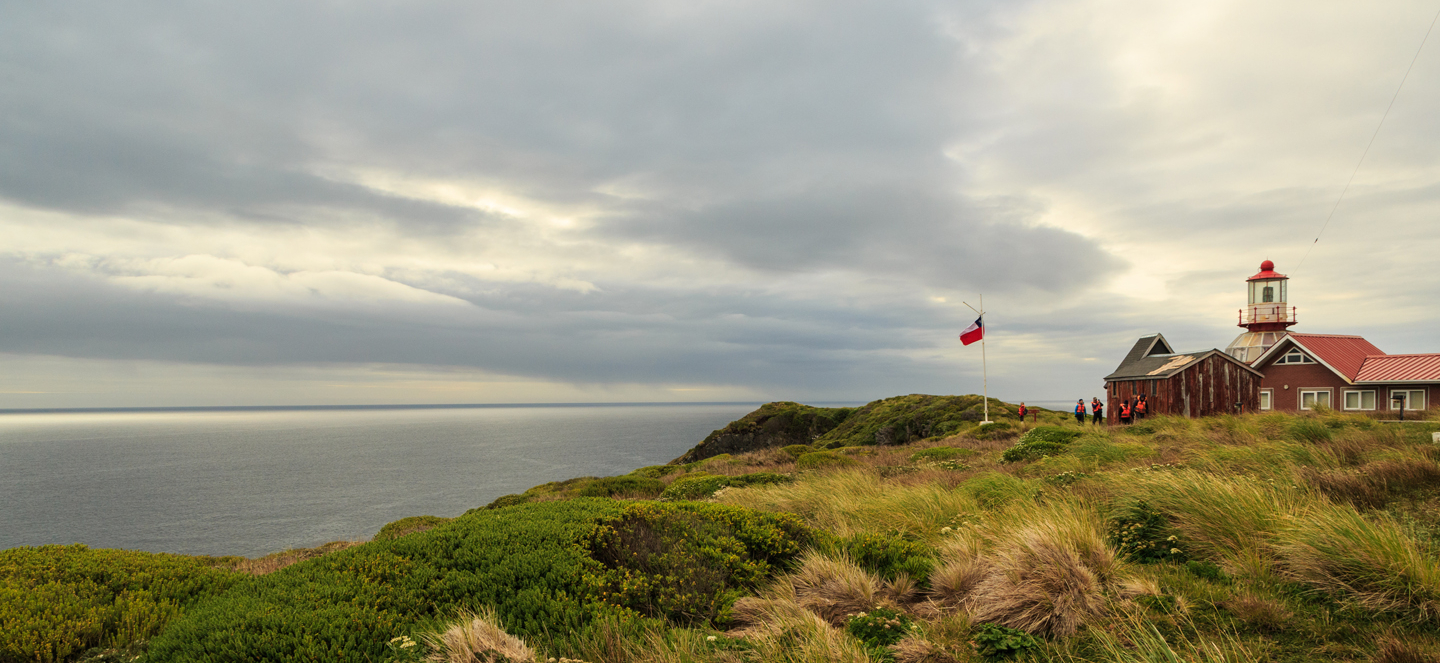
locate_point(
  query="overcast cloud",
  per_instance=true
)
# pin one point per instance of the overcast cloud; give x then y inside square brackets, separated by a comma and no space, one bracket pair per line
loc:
[379,202]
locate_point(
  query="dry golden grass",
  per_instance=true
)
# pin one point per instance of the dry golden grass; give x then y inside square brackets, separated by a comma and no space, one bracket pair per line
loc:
[477,638]
[1048,577]
[858,500]
[1372,485]
[780,629]
[1396,650]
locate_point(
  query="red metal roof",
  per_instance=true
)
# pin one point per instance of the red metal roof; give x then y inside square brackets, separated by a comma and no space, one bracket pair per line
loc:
[1400,368]
[1344,354]
[1267,271]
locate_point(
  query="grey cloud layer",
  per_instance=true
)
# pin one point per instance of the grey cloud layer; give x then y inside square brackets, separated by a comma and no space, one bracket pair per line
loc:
[820,168]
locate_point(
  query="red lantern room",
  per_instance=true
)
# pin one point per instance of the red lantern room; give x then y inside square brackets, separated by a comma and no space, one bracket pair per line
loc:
[1266,315]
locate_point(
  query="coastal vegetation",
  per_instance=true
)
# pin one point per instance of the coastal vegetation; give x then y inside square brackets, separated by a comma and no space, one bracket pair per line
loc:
[906,532]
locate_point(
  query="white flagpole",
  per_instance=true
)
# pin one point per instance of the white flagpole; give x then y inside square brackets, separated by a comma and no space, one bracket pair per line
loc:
[984,370]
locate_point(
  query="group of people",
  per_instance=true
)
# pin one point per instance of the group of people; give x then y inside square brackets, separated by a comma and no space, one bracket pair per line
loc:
[1131,410]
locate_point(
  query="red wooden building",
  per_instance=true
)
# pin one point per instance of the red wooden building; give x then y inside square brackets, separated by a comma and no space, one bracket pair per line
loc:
[1268,367]
[1189,384]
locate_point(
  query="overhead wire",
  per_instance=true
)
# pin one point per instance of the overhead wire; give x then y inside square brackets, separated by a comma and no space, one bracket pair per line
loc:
[1369,144]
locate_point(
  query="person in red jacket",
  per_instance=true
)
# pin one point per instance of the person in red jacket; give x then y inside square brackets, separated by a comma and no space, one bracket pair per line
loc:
[1125,411]
[1141,406]
[1080,410]
[1097,411]
[1023,410]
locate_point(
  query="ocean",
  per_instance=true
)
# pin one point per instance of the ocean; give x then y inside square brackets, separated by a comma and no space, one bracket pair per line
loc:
[255,481]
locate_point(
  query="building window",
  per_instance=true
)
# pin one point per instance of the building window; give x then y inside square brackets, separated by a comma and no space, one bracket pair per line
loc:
[1265,396]
[1294,357]
[1414,398]
[1313,398]
[1360,400]
[1269,295]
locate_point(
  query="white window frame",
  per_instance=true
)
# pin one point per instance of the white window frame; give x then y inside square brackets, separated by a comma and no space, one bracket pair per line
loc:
[1345,399]
[1409,404]
[1329,396]
[1267,399]
[1304,358]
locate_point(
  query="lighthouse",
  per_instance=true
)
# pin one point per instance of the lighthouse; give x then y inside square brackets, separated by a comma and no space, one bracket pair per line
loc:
[1265,317]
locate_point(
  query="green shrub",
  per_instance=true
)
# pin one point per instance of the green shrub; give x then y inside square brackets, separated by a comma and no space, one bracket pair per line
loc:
[878,629]
[821,460]
[797,450]
[1206,570]
[937,454]
[504,501]
[1142,534]
[57,601]
[409,525]
[994,642]
[688,562]
[534,563]
[629,485]
[887,555]
[1039,442]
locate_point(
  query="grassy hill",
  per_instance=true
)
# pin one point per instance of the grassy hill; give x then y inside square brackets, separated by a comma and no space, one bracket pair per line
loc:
[1254,538]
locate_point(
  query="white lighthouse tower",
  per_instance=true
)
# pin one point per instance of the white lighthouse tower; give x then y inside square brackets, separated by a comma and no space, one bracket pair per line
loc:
[1266,316]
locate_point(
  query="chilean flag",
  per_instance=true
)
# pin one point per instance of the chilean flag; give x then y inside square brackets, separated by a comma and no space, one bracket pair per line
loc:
[974,332]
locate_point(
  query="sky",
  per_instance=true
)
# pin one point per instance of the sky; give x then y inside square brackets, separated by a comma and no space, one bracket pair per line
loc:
[267,203]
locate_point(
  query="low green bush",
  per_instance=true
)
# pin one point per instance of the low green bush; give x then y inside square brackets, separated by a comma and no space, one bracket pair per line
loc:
[504,501]
[797,450]
[823,460]
[887,555]
[1143,534]
[994,642]
[536,564]
[57,601]
[629,485]
[688,562]
[878,629]
[409,525]
[1039,442]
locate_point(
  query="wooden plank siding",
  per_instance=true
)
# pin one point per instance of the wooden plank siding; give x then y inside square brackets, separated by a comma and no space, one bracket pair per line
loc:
[1208,387]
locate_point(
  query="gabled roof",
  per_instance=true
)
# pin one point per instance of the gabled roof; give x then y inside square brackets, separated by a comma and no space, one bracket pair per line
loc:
[1153,344]
[1400,368]
[1343,355]
[1161,366]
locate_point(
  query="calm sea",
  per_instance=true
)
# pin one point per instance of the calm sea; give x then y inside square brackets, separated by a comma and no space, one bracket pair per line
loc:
[255,482]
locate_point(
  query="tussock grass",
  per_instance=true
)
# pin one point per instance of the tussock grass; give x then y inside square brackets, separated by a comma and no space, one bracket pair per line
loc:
[1374,484]
[780,629]
[849,502]
[1049,576]
[1135,638]
[1371,560]
[477,637]
[1229,520]
[835,588]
